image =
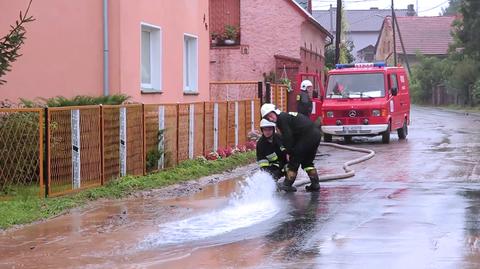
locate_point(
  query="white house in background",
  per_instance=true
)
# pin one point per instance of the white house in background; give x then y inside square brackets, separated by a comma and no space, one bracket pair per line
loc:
[363,25]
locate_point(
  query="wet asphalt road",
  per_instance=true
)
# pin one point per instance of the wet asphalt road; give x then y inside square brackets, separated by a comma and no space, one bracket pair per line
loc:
[416,204]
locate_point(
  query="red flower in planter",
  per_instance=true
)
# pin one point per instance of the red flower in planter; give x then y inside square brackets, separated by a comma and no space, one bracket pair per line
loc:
[242,148]
[221,152]
[228,151]
[212,156]
[251,145]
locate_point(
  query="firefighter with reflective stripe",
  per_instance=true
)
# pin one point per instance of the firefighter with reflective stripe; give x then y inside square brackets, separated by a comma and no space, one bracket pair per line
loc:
[304,101]
[271,155]
[301,139]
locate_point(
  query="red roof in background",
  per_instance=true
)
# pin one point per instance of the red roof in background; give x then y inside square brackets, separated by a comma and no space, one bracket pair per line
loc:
[428,35]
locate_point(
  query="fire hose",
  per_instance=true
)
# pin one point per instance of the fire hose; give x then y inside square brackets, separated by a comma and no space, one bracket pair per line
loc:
[349,172]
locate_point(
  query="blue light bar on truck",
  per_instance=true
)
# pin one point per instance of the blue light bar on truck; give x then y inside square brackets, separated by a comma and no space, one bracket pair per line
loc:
[377,64]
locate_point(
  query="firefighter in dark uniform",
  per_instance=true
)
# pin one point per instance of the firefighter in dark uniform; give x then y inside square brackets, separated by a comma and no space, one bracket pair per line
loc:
[271,154]
[301,139]
[304,101]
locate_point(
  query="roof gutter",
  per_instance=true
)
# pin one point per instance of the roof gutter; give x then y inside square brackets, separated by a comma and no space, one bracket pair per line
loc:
[309,17]
[318,25]
[330,42]
[106,90]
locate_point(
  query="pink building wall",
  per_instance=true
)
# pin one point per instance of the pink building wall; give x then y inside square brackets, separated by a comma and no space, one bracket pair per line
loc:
[63,53]
[268,28]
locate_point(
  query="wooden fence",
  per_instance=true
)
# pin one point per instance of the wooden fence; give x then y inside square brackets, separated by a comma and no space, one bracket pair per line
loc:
[90,145]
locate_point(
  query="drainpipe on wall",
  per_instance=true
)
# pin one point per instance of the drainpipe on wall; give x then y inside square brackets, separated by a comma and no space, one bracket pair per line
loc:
[106,90]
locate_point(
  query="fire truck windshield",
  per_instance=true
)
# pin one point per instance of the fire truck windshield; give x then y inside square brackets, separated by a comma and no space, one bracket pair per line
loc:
[359,85]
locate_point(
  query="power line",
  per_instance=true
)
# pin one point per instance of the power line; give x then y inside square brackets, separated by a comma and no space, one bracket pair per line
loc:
[433,7]
[327,3]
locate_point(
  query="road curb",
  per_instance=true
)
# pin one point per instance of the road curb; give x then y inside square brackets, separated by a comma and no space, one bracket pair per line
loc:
[463,112]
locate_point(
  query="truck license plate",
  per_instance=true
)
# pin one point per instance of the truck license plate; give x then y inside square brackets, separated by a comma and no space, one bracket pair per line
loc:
[352,129]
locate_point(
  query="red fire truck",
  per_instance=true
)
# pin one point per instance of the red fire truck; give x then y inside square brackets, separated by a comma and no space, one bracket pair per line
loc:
[366,100]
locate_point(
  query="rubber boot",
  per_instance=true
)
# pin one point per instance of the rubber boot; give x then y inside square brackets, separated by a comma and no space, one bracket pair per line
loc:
[287,184]
[314,181]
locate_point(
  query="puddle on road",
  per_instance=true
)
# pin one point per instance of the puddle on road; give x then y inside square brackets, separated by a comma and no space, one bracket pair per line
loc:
[254,203]
[149,227]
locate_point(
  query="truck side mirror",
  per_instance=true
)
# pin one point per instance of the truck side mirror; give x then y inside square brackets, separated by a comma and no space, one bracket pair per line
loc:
[394,91]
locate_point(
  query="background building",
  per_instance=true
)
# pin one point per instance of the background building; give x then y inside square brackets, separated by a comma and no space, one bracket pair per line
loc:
[275,38]
[429,36]
[363,26]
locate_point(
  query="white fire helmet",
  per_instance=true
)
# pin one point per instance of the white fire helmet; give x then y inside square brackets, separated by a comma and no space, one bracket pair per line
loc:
[266,123]
[267,108]
[306,83]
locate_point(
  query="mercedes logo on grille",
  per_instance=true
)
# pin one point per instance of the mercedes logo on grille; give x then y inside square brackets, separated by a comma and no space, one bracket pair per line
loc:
[352,113]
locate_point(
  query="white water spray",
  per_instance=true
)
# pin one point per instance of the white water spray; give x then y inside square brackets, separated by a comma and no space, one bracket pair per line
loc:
[254,203]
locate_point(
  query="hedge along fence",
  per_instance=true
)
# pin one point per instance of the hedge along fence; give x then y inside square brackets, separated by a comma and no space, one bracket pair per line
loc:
[90,145]
[21,149]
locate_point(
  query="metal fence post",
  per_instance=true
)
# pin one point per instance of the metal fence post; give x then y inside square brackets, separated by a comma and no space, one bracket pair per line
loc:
[252,115]
[123,141]
[204,148]
[75,149]
[260,92]
[46,161]
[102,145]
[178,130]
[144,141]
[161,144]
[268,90]
[215,127]
[191,131]
[236,123]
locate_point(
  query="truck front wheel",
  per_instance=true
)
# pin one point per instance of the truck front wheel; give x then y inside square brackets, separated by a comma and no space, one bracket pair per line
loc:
[386,136]
[327,137]
[403,132]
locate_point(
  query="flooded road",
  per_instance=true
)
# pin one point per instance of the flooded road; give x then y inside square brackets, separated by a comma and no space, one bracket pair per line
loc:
[416,204]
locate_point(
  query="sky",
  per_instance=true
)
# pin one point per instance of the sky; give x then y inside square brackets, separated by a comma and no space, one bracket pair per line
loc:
[425,7]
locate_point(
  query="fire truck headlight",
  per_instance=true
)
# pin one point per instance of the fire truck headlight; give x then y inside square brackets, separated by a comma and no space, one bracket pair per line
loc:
[329,114]
[376,112]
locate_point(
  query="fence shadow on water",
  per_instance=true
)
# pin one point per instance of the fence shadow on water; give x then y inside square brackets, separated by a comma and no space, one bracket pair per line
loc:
[66,149]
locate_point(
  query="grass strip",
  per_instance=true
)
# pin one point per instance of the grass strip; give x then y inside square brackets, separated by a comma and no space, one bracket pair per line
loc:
[466,108]
[27,207]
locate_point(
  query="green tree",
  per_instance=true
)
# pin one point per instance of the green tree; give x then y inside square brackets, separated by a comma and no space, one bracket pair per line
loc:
[346,55]
[427,74]
[462,79]
[346,47]
[11,43]
[460,71]
[452,9]
[466,30]
[464,54]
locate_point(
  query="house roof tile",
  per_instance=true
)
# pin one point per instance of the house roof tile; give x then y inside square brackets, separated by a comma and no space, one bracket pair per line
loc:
[428,35]
[369,20]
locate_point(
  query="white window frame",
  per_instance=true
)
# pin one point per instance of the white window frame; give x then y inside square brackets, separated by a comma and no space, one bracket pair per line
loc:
[193,86]
[156,58]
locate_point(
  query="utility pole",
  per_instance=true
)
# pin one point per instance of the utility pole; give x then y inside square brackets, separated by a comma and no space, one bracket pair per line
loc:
[403,46]
[338,31]
[331,18]
[394,42]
